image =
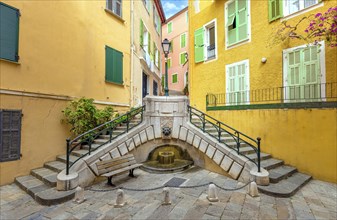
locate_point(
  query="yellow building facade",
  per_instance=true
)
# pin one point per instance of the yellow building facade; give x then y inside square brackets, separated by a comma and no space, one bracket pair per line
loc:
[65,50]
[257,87]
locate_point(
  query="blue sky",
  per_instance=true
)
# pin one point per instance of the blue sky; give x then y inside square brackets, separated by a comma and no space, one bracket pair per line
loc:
[173,6]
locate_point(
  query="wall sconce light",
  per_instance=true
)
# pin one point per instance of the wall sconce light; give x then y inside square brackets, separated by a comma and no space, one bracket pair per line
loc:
[263,60]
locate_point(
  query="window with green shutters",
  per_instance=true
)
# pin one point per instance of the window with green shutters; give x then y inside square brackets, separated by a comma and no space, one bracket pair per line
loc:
[275,8]
[113,65]
[237,21]
[9,32]
[169,62]
[171,47]
[183,40]
[182,58]
[199,45]
[174,78]
[169,27]
[237,83]
[303,73]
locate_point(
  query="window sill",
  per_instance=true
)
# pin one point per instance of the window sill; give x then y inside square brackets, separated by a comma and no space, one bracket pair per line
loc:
[114,83]
[228,47]
[10,61]
[114,15]
[302,11]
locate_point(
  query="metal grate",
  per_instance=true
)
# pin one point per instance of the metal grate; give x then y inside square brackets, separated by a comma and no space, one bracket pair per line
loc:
[175,182]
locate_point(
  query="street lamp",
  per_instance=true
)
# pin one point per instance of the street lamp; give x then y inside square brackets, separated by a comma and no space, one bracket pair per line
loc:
[166,48]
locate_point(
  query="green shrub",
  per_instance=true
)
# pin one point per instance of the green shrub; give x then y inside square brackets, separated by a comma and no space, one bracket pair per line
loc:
[83,115]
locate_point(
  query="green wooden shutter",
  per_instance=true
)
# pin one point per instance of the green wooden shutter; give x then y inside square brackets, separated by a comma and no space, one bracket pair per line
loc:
[199,45]
[242,21]
[169,27]
[231,23]
[141,30]
[149,43]
[171,47]
[174,78]
[182,40]
[275,9]
[113,65]
[9,32]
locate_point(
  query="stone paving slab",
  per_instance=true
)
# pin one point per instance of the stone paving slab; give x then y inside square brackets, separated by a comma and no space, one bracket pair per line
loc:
[316,200]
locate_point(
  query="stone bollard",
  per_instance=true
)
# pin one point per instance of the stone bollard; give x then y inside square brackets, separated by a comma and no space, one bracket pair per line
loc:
[120,200]
[212,193]
[252,189]
[167,199]
[79,195]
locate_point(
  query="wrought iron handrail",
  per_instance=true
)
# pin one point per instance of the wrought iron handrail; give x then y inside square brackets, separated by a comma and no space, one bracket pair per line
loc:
[108,127]
[316,92]
[220,127]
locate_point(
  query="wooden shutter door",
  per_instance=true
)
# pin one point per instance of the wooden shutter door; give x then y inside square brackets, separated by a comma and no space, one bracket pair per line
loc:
[109,64]
[311,76]
[231,23]
[199,45]
[242,21]
[9,32]
[293,91]
[231,85]
[117,67]
[10,137]
[242,83]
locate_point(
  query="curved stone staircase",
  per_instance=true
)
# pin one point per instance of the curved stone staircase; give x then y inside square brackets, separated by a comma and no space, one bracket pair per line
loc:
[41,183]
[285,180]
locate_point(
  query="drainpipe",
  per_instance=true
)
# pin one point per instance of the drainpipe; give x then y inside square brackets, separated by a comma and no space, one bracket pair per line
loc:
[132,54]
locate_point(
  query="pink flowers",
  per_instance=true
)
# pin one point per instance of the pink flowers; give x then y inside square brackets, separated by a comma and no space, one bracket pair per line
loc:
[324,27]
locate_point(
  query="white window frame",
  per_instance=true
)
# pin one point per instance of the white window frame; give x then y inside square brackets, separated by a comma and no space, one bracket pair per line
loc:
[249,32]
[147,5]
[286,5]
[113,5]
[185,79]
[185,39]
[246,62]
[322,65]
[206,39]
[156,56]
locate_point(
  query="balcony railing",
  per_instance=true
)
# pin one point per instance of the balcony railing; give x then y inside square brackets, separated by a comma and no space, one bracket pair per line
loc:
[324,92]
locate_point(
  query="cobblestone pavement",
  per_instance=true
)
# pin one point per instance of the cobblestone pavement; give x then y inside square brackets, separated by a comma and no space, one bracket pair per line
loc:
[316,200]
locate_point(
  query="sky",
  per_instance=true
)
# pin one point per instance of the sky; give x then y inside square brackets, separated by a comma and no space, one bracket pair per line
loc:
[173,6]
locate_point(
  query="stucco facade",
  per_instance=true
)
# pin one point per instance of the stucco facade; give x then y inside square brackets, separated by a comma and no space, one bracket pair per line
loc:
[147,17]
[62,50]
[304,137]
[179,38]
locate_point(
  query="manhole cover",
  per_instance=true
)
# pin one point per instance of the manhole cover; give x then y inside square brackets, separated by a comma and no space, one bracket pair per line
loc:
[175,182]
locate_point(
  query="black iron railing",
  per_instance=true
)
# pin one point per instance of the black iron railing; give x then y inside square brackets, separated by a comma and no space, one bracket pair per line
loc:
[107,128]
[225,134]
[288,94]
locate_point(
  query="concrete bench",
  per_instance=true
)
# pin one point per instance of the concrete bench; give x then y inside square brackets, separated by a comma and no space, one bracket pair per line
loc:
[113,167]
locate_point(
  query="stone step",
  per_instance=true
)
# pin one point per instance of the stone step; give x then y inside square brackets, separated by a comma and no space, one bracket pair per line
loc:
[42,193]
[46,175]
[271,163]
[281,172]
[263,156]
[93,146]
[286,187]
[79,153]
[56,166]
[63,158]
[100,141]
[246,150]
[233,144]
